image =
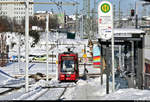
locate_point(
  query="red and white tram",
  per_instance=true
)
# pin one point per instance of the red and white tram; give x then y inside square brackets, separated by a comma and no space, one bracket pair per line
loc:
[68,66]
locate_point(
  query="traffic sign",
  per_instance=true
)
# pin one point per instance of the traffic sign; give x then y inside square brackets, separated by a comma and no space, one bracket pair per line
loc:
[105,20]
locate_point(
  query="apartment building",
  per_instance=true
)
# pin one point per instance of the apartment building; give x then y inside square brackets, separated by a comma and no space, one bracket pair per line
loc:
[15,11]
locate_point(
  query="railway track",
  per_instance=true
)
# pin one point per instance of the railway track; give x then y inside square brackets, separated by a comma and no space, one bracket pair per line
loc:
[51,92]
[7,90]
[54,91]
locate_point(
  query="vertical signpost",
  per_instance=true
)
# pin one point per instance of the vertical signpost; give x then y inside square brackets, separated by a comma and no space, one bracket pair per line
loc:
[47,32]
[27,45]
[105,28]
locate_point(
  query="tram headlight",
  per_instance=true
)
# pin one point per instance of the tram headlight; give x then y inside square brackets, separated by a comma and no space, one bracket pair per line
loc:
[62,75]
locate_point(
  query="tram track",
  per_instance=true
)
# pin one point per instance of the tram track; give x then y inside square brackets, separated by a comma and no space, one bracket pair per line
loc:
[59,98]
[7,91]
[59,90]
[37,93]
[10,88]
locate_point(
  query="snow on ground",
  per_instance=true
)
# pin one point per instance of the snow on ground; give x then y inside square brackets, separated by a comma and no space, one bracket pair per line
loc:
[128,94]
[90,89]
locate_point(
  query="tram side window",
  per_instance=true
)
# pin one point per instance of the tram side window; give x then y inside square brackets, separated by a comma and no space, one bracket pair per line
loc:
[68,65]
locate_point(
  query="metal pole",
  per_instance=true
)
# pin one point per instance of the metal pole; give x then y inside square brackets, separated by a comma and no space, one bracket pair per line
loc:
[120,57]
[57,58]
[52,61]
[143,48]
[119,15]
[76,21]
[102,64]
[85,62]
[27,44]
[88,9]
[113,74]
[107,68]
[136,16]
[19,69]
[47,31]
[132,56]
[82,27]
[123,63]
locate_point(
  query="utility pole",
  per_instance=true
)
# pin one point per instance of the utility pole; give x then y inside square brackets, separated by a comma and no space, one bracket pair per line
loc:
[119,16]
[94,19]
[144,14]
[20,71]
[76,21]
[27,45]
[88,9]
[47,32]
[84,5]
[82,26]
[114,14]
[107,67]
[136,15]
[52,61]
[92,24]
[83,17]
[88,26]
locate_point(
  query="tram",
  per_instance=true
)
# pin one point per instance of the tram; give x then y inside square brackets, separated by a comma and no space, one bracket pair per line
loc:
[68,66]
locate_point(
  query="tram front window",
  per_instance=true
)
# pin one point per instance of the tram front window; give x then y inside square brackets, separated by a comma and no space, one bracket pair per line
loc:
[68,66]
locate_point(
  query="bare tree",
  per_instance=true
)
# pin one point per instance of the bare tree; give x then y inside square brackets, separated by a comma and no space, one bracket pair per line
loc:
[53,23]
[5,24]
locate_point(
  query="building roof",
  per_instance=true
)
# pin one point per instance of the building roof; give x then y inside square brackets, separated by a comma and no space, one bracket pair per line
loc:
[128,31]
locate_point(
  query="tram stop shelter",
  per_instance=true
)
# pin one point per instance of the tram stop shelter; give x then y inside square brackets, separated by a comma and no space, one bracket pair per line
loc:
[129,54]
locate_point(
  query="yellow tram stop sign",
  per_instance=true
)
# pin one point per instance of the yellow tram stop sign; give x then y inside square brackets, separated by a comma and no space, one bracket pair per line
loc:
[84,56]
[105,8]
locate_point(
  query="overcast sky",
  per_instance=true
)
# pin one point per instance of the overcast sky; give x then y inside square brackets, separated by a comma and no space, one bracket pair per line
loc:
[126,5]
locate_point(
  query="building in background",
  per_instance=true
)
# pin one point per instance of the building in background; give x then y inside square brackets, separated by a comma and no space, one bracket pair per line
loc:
[41,15]
[15,11]
[61,19]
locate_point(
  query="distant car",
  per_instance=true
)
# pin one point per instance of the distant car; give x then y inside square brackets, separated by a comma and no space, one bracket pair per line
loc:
[14,58]
[22,58]
[40,58]
[31,57]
